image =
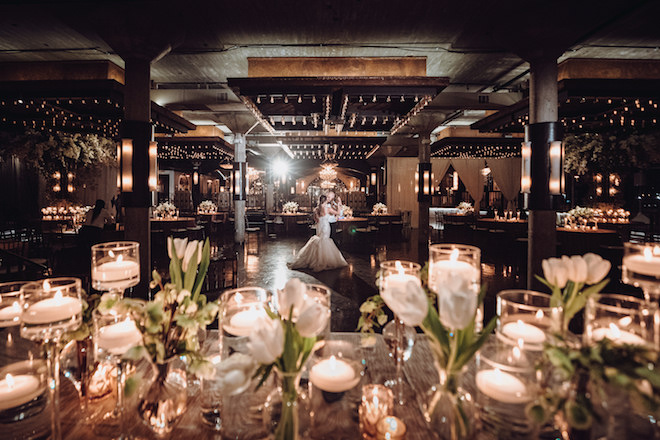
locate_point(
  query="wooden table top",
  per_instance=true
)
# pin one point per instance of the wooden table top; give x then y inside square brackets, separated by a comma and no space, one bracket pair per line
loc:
[242,413]
[352,219]
[173,219]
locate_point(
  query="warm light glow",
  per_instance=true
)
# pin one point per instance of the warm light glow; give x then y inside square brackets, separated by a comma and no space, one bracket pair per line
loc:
[648,253]
[556,167]
[399,267]
[120,258]
[373,179]
[454,255]
[153,166]
[555,186]
[454,186]
[426,183]
[526,172]
[616,333]
[625,321]
[58,296]
[69,188]
[195,178]
[46,285]
[539,315]
[9,379]
[57,175]
[127,165]
[56,188]
[280,167]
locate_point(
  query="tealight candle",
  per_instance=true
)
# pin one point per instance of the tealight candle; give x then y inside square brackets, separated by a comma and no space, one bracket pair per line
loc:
[52,310]
[399,280]
[18,390]
[242,323]
[616,335]
[502,386]
[377,402]
[118,338]
[390,428]
[530,334]
[647,263]
[117,273]
[333,375]
[10,315]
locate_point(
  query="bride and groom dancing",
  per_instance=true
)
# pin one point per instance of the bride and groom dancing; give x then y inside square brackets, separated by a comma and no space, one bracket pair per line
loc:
[320,252]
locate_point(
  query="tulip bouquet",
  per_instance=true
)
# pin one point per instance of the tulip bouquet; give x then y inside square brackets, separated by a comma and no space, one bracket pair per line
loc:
[572,274]
[283,341]
[170,323]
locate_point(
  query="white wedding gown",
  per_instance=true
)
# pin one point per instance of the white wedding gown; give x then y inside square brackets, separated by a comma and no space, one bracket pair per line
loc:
[320,252]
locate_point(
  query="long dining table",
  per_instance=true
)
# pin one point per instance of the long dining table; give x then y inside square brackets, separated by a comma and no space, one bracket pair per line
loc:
[243,414]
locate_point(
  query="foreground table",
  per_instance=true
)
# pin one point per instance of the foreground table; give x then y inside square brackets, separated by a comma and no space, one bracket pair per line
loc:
[242,414]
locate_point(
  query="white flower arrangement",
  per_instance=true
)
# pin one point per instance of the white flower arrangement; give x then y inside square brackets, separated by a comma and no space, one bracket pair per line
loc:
[165,210]
[379,209]
[290,208]
[347,211]
[207,207]
[465,207]
[582,213]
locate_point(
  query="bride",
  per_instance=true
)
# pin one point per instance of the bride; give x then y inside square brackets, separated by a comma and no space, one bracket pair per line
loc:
[320,252]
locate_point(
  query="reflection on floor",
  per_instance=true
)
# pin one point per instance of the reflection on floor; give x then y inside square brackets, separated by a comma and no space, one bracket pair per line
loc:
[264,259]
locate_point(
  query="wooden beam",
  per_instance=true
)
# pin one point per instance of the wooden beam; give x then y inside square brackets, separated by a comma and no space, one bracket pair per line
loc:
[336,66]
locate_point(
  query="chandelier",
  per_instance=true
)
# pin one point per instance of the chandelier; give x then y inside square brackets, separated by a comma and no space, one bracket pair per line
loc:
[328,172]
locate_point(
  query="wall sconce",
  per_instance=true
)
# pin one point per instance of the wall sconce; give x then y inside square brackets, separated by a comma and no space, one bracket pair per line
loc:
[239,180]
[416,182]
[195,178]
[454,183]
[373,179]
[153,166]
[69,188]
[424,182]
[293,190]
[126,168]
[56,187]
[526,172]
[555,184]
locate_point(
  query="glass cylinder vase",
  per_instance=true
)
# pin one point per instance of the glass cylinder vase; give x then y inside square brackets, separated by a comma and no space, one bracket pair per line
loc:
[165,402]
[286,411]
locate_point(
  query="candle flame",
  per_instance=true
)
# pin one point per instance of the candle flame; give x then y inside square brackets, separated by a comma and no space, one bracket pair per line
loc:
[454,255]
[46,285]
[399,267]
[332,362]
[648,253]
[58,295]
[111,254]
[238,297]
[625,321]
[616,333]
[521,344]
[120,258]
[539,315]
[516,351]
[656,250]
[10,381]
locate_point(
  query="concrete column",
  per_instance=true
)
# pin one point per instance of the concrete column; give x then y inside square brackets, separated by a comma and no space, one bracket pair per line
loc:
[270,197]
[424,202]
[543,108]
[239,205]
[137,126]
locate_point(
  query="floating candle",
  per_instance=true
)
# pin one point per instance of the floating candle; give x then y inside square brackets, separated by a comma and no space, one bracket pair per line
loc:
[333,375]
[18,390]
[120,273]
[52,310]
[647,263]
[390,428]
[502,386]
[118,338]
[399,281]
[10,315]
[530,334]
[616,335]
[242,323]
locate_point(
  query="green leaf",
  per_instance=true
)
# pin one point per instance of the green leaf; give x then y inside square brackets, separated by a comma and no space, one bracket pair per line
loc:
[130,386]
[134,353]
[191,272]
[536,412]
[203,269]
[382,319]
[156,276]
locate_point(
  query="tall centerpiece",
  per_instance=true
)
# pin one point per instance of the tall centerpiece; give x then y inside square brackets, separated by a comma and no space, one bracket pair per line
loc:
[170,326]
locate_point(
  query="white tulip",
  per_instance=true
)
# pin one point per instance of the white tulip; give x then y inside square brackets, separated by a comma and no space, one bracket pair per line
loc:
[597,268]
[293,294]
[410,303]
[266,342]
[182,295]
[576,268]
[190,250]
[176,247]
[555,272]
[457,302]
[312,318]
[234,374]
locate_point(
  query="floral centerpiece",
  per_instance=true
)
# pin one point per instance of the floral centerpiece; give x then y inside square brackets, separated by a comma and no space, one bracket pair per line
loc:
[282,341]
[170,326]
[290,208]
[165,210]
[207,207]
[567,278]
[581,214]
[452,335]
[347,211]
[465,208]
[379,209]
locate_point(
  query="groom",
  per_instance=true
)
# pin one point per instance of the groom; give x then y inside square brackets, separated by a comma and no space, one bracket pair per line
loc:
[333,218]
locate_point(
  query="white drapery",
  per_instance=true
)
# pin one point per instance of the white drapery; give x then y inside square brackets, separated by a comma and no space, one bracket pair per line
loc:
[103,185]
[401,195]
[469,171]
[506,173]
[439,168]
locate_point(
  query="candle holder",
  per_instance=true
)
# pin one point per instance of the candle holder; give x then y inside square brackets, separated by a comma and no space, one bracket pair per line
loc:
[12,346]
[455,271]
[377,402]
[115,266]
[622,319]
[115,333]
[641,268]
[390,428]
[50,309]
[400,339]
[505,383]
[526,317]
[240,309]
[321,294]
[23,395]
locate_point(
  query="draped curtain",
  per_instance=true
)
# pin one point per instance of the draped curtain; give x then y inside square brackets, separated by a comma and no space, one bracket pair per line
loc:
[103,186]
[439,168]
[506,173]
[401,195]
[469,171]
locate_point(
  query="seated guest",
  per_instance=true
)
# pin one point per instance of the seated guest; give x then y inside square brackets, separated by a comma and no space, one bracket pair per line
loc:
[96,218]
